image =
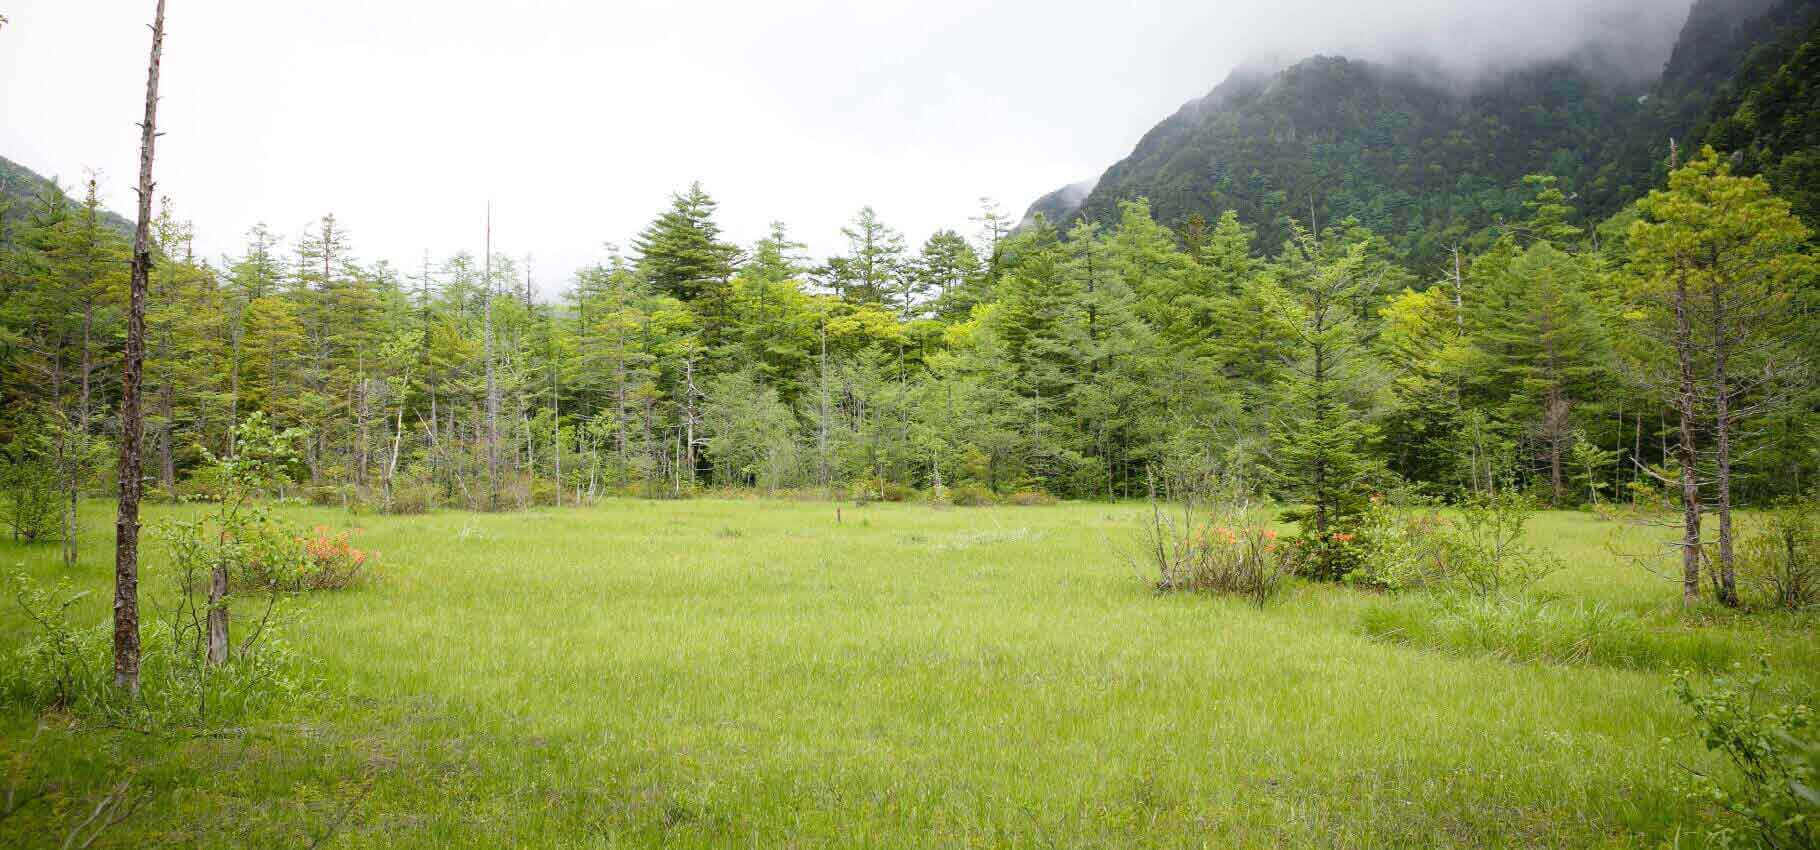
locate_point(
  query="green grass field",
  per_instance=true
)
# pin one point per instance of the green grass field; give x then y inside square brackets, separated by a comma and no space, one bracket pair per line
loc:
[751,673]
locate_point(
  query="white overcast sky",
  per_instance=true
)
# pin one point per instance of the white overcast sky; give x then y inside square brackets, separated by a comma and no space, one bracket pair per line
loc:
[577,119]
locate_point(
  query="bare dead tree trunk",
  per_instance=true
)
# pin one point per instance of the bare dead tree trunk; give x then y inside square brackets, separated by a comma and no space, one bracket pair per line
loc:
[1556,424]
[126,522]
[690,418]
[1722,428]
[1684,450]
[823,466]
[1459,292]
[492,382]
[218,614]
[556,446]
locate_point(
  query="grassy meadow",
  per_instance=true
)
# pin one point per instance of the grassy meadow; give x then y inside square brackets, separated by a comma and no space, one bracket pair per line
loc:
[723,673]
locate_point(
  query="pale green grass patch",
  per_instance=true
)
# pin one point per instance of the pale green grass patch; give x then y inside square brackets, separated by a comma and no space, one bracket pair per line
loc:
[632,675]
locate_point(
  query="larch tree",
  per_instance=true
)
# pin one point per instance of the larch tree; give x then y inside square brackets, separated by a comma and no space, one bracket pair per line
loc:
[1731,256]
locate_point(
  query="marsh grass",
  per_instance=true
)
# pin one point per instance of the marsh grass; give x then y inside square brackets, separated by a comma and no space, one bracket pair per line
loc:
[624,675]
[1557,630]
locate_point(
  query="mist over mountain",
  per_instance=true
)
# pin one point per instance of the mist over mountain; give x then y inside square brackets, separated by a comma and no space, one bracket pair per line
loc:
[1460,44]
[1428,146]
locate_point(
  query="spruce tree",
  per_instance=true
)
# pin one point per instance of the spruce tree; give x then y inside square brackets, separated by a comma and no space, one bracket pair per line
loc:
[1322,435]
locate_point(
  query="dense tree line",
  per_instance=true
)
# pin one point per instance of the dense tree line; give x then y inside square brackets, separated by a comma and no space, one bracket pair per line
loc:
[1086,364]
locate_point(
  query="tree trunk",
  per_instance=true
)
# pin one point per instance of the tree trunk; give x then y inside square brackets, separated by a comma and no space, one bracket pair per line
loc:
[1684,450]
[167,461]
[126,523]
[218,615]
[492,383]
[1722,426]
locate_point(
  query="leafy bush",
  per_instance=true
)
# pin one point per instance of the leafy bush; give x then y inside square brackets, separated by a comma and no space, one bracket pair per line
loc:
[53,663]
[30,505]
[1773,797]
[1526,628]
[895,492]
[1480,551]
[1031,498]
[972,496]
[251,545]
[1332,557]
[1782,558]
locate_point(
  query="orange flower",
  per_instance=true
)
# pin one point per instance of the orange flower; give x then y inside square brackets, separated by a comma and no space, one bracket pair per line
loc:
[1343,537]
[1270,534]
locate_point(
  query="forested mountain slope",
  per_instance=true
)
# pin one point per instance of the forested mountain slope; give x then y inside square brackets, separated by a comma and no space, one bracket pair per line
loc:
[1429,163]
[22,190]
[1768,113]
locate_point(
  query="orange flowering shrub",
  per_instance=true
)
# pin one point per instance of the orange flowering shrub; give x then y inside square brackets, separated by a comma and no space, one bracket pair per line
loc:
[1228,551]
[329,562]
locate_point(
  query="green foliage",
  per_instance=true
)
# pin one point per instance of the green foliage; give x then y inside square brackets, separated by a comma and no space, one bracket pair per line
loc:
[50,668]
[971,496]
[1771,797]
[1780,558]
[67,667]
[1331,274]
[248,540]
[1428,166]
[29,502]
[1480,549]
[681,253]
[1591,466]
[1768,114]
[1321,437]
[1491,555]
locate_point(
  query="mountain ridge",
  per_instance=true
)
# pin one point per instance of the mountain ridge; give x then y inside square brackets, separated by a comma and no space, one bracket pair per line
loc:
[1425,162]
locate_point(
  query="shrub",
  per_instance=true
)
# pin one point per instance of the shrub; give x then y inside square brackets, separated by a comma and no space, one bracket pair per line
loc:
[30,505]
[1216,542]
[323,496]
[330,562]
[1402,548]
[1332,557]
[1782,558]
[1771,800]
[895,492]
[53,663]
[1531,629]
[1488,553]
[1480,552]
[67,667]
[971,496]
[411,499]
[250,545]
[1031,498]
